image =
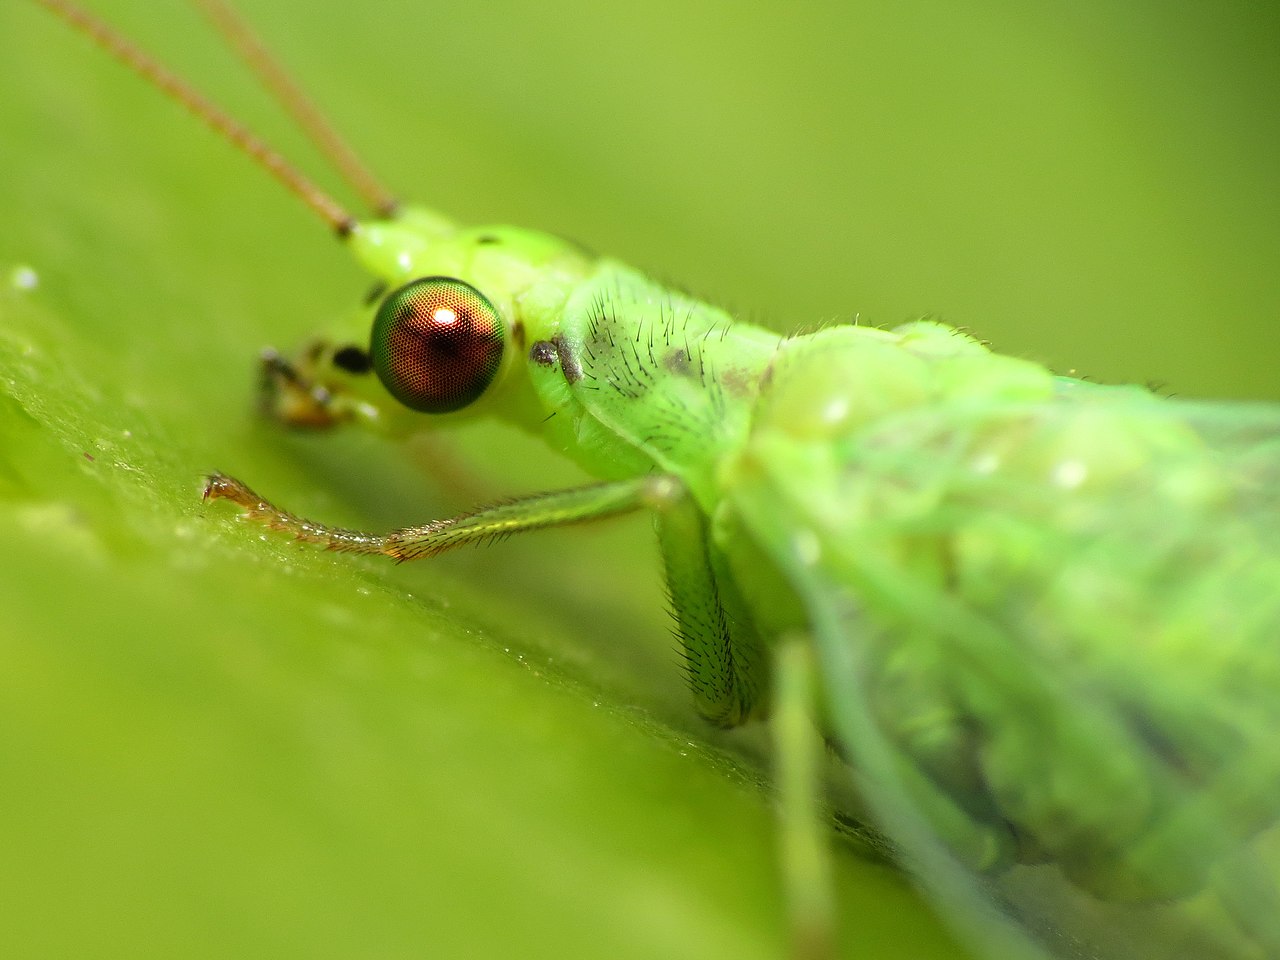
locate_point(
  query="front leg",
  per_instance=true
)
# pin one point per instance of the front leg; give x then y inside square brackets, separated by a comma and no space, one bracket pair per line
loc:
[803,845]
[726,668]
[726,671]
[485,524]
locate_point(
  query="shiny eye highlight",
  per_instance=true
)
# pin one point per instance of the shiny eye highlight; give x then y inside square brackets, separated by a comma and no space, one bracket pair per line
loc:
[437,344]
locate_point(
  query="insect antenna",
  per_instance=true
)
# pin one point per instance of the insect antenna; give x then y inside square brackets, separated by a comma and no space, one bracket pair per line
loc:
[231,130]
[240,36]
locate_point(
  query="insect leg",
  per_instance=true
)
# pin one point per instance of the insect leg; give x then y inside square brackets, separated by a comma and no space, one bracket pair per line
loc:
[485,524]
[798,752]
[720,644]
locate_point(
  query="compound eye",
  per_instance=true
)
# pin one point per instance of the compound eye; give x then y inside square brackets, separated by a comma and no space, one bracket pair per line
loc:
[437,344]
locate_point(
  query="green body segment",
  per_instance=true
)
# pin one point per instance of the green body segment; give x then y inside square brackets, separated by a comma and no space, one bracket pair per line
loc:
[1057,613]
[1046,612]
[638,377]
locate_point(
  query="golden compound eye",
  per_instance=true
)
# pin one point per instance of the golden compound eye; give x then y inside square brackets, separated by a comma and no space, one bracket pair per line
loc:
[437,343]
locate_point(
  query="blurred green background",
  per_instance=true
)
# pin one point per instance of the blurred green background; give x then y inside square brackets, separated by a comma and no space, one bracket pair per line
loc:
[214,743]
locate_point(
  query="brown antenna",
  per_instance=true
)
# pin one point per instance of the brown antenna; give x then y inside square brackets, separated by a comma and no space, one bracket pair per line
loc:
[244,41]
[231,130]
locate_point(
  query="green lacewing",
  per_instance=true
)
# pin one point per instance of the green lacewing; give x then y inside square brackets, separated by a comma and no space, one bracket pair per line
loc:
[1041,610]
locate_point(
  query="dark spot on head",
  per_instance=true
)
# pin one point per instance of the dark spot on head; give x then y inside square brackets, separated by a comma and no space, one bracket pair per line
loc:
[569,364]
[677,362]
[543,353]
[517,334]
[487,238]
[375,293]
[352,359]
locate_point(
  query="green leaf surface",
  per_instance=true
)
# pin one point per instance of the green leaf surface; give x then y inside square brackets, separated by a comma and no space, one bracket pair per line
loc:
[216,743]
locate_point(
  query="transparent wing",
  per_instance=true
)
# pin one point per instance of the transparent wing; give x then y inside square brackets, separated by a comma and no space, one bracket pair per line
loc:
[1050,641]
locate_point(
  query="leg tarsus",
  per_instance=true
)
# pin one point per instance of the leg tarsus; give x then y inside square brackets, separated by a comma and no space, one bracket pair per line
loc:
[219,486]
